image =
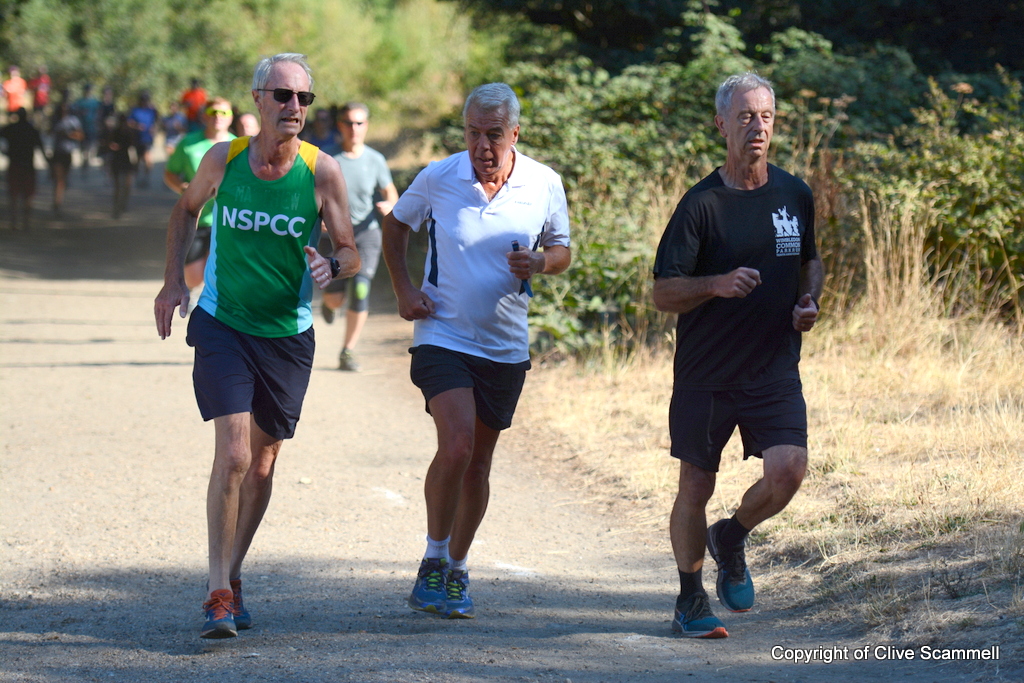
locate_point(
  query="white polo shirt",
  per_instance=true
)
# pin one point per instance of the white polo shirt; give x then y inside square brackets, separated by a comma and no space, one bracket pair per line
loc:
[480,309]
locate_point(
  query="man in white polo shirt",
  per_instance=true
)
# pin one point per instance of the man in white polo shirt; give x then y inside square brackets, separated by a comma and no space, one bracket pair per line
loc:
[494,218]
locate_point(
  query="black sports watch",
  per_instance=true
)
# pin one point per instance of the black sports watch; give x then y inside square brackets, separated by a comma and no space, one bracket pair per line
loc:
[335,267]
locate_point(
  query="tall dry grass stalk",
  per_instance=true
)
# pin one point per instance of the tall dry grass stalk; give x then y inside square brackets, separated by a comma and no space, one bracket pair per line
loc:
[911,511]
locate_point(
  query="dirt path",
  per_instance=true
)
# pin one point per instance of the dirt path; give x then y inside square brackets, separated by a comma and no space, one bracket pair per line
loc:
[103,469]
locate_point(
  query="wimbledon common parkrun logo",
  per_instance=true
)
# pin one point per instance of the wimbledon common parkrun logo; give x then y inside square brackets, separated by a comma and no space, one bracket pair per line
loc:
[246,219]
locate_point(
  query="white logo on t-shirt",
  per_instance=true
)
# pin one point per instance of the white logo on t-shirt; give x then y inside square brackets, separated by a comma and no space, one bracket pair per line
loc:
[787,233]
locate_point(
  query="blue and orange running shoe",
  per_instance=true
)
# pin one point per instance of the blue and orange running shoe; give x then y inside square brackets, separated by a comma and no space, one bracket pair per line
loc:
[694,618]
[735,587]
[242,618]
[459,605]
[220,623]
[428,593]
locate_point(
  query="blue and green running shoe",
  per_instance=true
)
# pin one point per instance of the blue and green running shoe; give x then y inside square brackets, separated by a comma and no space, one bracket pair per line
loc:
[429,592]
[459,605]
[694,618]
[735,587]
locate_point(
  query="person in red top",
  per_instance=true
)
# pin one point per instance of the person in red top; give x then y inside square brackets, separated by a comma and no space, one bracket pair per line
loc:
[14,90]
[40,87]
[194,99]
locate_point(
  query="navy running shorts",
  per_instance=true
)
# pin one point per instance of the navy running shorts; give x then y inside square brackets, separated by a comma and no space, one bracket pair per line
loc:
[701,422]
[496,386]
[236,372]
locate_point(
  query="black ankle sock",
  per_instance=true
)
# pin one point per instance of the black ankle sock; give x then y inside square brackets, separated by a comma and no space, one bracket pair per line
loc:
[733,534]
[690,583]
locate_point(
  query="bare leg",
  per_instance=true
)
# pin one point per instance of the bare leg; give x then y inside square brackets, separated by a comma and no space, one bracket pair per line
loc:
[784,470]
[194,272]
[231,461]
[476,489]
[334,300]
[454,413]
[354,322]
[254,496]
[688,524]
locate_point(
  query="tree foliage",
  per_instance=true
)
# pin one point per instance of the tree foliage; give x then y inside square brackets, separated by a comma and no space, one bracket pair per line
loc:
[381,51]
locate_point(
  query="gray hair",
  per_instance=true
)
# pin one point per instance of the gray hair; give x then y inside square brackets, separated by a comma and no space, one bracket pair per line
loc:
[261,74]
[740,83]
[354,106]
[494,97]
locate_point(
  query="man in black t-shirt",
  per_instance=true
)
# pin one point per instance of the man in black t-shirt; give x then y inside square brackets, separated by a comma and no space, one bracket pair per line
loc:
[738,263]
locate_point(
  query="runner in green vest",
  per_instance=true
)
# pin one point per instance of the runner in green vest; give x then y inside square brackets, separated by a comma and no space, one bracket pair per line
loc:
[252,327]
[181,168]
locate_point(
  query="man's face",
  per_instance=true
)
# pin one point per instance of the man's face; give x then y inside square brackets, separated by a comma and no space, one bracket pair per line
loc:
[353,125]
[749,124]
[218,116]
[489,142]
[287,118]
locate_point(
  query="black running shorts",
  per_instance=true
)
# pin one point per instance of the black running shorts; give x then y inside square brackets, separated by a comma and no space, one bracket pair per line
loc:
[236,372]
[701,422]
[496,386]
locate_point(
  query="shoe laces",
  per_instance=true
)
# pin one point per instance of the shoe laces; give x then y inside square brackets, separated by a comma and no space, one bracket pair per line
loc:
[432,573]
[699,608]
[219,605]
[457,584]
[735,565]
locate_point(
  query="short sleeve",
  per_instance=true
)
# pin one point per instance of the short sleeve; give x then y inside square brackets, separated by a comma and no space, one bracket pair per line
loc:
[680,243]
[808,245]
[413,207]
[383,173]
[178,161]
[556,228]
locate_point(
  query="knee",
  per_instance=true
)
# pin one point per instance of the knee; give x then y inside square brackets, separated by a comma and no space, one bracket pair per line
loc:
[696,486]
[235,459]
[786,477]
[456,449]
[360,299]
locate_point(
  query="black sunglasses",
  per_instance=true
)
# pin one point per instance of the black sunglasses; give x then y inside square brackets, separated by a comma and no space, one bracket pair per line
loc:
[283,95]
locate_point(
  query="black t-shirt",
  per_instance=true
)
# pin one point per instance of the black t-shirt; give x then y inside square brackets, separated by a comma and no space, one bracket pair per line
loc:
[739,342]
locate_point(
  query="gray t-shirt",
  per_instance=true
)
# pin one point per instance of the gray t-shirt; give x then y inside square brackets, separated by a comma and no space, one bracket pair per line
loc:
[366,177]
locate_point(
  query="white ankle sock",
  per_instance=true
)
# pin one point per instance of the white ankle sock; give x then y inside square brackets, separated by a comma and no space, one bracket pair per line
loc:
[437,549]
[460,564]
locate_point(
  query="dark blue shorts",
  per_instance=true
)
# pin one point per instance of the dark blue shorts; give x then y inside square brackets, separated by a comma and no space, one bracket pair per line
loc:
[236,372]
[496,386]
[701,422]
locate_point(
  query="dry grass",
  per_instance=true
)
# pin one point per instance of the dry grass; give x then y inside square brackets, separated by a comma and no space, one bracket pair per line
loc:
[911,512]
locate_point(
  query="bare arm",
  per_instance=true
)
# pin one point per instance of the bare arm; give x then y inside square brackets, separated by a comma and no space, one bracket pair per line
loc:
[812,279]
[174,181]
[683,294]
[413,304]
[332,200]
[390,197]
[180,231]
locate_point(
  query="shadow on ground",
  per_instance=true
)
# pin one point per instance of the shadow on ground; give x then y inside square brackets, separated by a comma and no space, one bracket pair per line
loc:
[84,242]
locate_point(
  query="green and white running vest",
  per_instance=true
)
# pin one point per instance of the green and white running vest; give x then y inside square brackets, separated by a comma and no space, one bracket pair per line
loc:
[257,277]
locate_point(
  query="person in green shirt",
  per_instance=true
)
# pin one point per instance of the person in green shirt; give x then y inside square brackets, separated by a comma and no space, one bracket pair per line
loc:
[181,169]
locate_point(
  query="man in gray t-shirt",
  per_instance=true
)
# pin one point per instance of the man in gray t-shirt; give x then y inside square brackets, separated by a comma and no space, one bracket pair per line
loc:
[371,194]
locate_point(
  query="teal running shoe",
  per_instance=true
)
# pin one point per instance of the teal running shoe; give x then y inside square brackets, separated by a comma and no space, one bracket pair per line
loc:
[219,621]
[428,593]
[459,605]
[241,615]
[694,618]
[735,587]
